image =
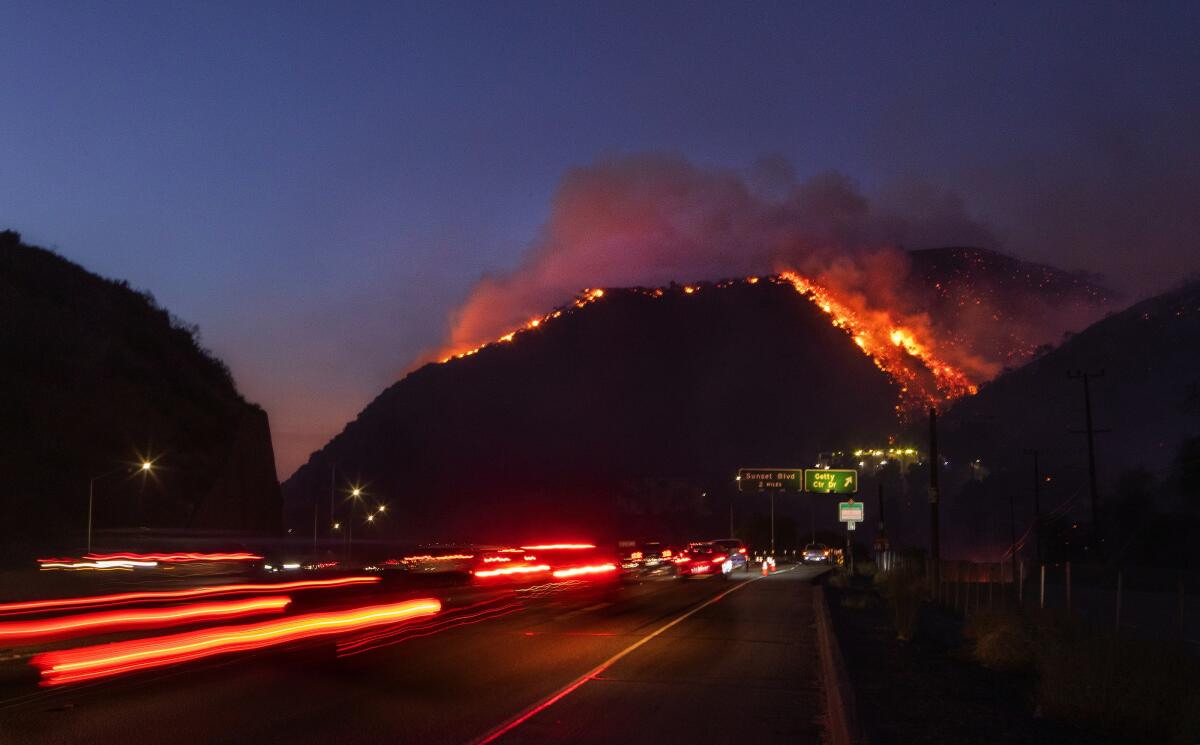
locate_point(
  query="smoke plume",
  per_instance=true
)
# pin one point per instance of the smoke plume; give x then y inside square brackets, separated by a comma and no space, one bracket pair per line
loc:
[648,220]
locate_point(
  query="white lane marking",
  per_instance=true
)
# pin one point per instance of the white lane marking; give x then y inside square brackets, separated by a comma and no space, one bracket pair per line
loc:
[566,690]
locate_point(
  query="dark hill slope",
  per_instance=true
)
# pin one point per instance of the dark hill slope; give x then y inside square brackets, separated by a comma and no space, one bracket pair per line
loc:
[94,371]
[1147,398]
[569,427]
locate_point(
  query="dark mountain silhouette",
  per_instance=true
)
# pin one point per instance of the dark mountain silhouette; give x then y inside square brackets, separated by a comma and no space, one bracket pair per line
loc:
[634,411]
[95,373]
[1150,354]
[629,414]
[1148,403]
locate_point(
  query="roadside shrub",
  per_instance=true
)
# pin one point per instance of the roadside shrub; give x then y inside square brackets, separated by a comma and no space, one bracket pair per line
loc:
[904,590]
[1140,690]
[858,600]
[1001,640]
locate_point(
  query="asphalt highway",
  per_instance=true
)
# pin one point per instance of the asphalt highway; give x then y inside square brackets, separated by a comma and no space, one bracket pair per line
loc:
[662,661]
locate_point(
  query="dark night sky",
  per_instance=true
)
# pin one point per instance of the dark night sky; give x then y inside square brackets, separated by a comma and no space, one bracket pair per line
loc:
[318,185]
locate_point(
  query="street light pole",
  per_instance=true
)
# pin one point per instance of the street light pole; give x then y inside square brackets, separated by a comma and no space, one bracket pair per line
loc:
[91,498]
[145,468]
[935,546]
[1037,506]
[355,493]
[772,522]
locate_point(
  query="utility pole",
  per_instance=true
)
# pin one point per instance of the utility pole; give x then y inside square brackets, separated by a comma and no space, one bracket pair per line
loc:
[1091,443]
[882,534]
[1012,534]
[1037,506]
[935,546]
[772,522]
[332,493]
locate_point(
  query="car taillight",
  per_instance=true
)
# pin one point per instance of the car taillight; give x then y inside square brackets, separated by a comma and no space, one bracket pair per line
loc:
[666,554]
[741,550]
[683,558]
[718,558]
[636,555]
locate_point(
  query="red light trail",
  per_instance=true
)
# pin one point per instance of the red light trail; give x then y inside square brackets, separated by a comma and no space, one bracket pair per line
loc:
[46,629]
[149,596]
[175,557]
[105,660]
[100,565]
[378,639]
[580,571]
[559,546]
[512,570]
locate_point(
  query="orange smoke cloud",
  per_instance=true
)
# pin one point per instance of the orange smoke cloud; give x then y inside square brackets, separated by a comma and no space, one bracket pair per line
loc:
[651,220]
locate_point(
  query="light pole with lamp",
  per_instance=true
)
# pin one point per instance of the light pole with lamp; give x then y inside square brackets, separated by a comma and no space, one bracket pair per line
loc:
[144,468]
[355,495]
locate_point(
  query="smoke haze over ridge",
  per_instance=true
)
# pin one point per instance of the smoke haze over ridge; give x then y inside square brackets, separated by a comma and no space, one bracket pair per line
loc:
[653,219]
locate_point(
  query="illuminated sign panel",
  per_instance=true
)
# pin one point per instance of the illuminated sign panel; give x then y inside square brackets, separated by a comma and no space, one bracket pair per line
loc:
[831,480]
[850,512]
[767,479]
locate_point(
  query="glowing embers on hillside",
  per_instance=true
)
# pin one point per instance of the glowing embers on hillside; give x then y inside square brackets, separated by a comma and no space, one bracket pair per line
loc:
[892,347]
[585,298]
[153,596]
[924,379]
[106,660]
[112,621]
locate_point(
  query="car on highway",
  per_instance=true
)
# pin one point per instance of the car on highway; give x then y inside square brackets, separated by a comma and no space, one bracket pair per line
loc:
[737,552]
[640,559]
[815,553]
[704,558]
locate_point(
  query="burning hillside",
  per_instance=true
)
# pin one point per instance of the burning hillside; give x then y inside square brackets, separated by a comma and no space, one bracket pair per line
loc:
[939,321]
[921,377]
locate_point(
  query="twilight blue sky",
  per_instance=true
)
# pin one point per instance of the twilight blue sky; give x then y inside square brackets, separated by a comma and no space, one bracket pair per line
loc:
[318,185]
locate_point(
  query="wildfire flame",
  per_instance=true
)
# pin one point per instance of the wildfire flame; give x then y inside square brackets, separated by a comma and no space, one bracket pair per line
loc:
[922,376]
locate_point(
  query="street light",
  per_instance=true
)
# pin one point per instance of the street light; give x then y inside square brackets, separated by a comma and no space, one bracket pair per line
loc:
[355,495]
[144,468]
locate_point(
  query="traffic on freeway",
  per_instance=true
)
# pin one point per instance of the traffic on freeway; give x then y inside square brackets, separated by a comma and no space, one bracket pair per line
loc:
[545,642]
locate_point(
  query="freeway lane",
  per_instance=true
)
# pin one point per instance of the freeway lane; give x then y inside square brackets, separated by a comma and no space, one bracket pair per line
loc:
[743,665]
[740,668]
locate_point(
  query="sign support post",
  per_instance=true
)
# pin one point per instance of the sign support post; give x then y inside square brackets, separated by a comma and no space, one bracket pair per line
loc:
[771,481]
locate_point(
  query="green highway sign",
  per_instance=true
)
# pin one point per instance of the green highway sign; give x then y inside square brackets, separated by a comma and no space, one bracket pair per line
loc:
[831,480]
[767,479]
[850,512]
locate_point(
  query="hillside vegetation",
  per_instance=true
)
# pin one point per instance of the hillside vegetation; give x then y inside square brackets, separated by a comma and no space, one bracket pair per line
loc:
[95,374]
